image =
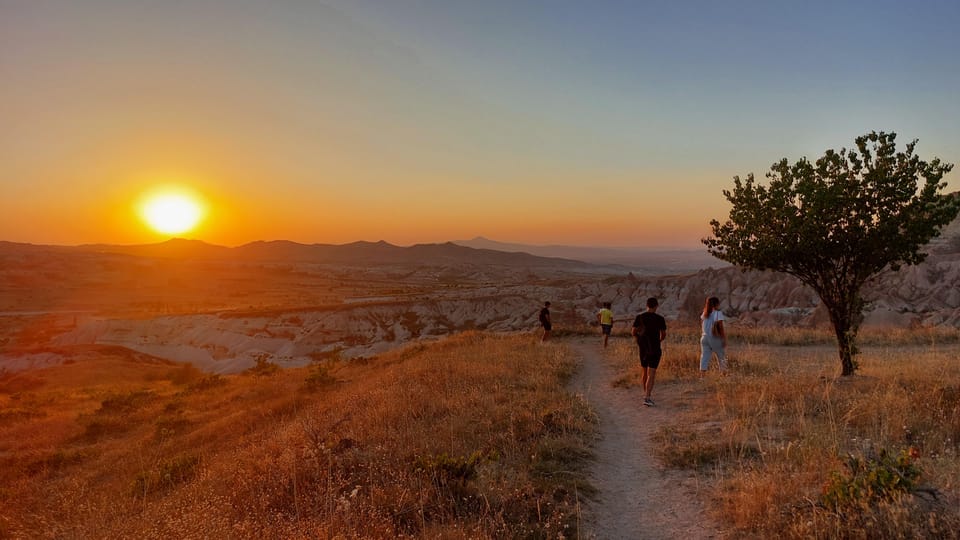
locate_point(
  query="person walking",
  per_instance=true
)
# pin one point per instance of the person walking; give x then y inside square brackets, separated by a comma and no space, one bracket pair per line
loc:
[650,329]
[545,321]
[606,322]
[713,336]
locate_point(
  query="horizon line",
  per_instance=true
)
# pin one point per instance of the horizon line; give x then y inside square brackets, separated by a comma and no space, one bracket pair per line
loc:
[506,244]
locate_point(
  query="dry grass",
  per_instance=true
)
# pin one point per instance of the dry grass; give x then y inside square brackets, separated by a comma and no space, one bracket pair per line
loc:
[473,437]
[782,432]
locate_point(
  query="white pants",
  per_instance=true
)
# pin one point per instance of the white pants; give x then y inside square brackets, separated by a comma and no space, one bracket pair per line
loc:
[708,346]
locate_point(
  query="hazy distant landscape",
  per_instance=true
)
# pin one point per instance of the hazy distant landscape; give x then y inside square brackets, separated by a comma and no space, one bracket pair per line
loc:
[642,261]
[222,309]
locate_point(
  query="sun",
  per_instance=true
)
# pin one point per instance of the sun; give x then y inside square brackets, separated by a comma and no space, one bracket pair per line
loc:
[171,212]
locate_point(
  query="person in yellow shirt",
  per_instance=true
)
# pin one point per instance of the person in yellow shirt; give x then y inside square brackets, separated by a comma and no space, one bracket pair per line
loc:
[606,322]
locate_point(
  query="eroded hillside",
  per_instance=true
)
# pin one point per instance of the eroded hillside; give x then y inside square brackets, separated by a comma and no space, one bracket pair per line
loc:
[225,315]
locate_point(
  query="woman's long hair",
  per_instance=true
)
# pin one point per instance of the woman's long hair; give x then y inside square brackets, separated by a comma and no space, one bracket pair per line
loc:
[711,304]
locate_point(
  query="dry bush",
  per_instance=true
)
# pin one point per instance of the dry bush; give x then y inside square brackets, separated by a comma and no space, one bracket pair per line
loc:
[471,437]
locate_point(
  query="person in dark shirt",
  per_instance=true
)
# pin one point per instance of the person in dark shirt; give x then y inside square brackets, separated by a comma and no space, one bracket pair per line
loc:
[650,329]
[545,321]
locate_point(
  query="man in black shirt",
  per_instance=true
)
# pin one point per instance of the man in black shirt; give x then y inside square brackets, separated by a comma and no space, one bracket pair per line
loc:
[545,321]
[649,329]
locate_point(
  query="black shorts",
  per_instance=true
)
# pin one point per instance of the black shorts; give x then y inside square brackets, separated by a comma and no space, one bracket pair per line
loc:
[546,325]
[650,358]
[606,328]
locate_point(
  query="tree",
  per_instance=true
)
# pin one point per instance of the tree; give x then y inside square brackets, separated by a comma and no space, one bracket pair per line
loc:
[836,223]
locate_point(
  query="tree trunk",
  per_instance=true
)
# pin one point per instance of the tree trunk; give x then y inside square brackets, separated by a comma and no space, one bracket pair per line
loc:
[846,322]
[846,348]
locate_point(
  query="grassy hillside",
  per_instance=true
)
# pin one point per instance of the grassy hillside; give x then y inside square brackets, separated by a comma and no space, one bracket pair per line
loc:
[474,437]
[796,452]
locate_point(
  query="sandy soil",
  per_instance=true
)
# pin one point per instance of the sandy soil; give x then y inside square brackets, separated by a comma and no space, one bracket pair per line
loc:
[638,498]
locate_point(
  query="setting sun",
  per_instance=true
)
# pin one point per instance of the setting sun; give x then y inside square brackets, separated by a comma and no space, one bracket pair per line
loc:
[171,212]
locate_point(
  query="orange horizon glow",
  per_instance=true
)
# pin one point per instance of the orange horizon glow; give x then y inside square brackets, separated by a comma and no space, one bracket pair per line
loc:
[235,211]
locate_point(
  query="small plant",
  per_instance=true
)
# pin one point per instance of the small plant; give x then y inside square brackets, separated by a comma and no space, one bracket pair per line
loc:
[123,404]
[55,461]
[869,480]
[207,383]
[167,475]
[168,426]
[448,471]
[264,367]
[104,427]
[320,376]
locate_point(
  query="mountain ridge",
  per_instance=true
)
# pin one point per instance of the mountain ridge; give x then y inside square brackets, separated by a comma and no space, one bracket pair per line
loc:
[359,252]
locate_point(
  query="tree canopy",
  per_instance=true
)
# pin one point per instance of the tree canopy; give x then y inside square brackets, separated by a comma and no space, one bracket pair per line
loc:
[838,222]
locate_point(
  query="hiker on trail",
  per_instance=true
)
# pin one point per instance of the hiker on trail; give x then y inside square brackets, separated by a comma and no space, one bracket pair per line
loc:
[606,322]
[713,337]
[545,321]
[650,329]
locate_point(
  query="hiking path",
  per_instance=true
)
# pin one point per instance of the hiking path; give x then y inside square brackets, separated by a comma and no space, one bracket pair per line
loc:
[638,498]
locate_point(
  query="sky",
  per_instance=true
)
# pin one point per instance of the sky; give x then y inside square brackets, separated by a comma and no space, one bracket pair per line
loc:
[605,123]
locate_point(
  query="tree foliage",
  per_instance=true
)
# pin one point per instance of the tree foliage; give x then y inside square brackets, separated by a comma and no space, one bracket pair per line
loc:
[838,222]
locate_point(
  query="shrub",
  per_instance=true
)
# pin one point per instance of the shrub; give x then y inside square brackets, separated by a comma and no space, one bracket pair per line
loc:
[446,471]
[103,427]
[167,475]
[871,479]
[207,383]
[320,376]
[168,426]
[263,367]
[124,404]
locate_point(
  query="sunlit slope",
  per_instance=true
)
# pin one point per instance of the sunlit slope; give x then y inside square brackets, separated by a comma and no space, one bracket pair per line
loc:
[466,437]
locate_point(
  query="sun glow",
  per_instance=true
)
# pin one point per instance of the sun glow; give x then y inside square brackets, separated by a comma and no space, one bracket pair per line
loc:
[171,212]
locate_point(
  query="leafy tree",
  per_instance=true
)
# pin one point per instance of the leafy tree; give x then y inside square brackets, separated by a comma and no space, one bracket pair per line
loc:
[838,222]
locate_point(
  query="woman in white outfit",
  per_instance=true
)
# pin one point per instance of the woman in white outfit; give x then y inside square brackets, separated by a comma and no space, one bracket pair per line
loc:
[713,338]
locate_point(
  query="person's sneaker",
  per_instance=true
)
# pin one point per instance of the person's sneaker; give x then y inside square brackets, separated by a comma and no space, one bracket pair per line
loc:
[648,402]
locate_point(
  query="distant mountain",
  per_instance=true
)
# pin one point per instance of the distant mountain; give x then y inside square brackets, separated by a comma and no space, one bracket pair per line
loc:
[368,253]
[386,253]
[175,248]
[651,261]
[478,251]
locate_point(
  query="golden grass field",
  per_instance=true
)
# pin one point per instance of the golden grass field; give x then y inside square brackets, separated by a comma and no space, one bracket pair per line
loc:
[794,451]
[474,436]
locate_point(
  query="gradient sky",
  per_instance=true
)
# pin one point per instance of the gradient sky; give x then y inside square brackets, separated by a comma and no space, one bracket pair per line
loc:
[553,121]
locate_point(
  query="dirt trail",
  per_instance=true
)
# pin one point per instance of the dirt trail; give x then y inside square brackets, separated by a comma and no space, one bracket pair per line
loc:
[638,498]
